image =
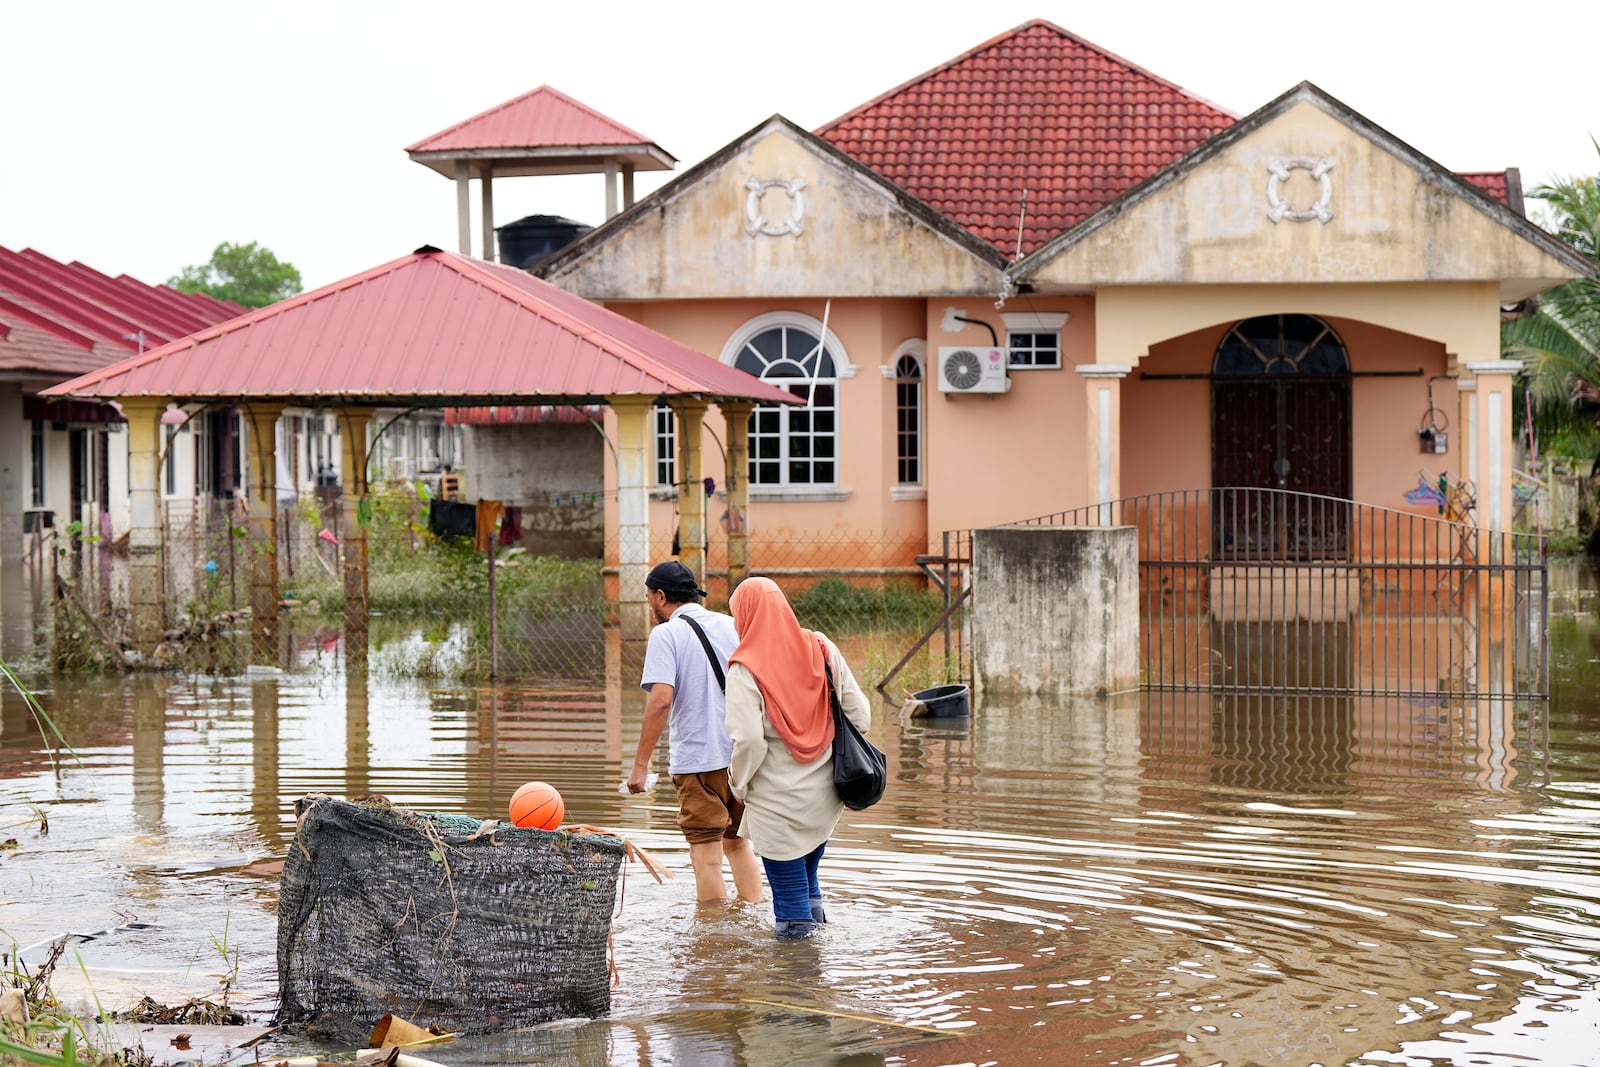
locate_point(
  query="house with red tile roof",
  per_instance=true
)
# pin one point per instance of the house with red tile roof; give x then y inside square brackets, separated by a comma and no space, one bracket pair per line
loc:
[1038,277]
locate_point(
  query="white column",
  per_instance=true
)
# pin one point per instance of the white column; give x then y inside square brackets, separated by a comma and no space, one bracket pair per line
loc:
[627,186]
[611,188]
[464,206]
[1494,401]
[486,182]
[1103,426]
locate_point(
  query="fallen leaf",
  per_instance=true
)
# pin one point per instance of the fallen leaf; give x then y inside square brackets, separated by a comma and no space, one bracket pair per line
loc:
[181,1041]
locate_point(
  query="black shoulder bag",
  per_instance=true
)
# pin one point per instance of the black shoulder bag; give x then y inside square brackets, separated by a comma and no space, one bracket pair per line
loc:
[860,772]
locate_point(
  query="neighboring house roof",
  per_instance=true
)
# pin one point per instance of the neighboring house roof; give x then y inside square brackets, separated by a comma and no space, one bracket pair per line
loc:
[58,320]
[1036,110]
[431,328]
[541,132]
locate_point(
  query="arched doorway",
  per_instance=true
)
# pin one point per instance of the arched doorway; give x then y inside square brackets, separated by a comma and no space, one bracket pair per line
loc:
[1280,419]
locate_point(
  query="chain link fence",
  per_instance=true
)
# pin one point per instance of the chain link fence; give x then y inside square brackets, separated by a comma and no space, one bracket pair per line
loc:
[429,595]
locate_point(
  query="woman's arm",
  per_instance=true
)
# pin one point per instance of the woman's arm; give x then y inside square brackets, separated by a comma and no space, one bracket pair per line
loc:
[745,723]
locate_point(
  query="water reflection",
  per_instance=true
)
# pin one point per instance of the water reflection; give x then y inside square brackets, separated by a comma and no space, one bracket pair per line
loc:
[1167,878]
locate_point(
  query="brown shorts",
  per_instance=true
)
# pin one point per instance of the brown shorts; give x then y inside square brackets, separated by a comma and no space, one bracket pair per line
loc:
[707,810]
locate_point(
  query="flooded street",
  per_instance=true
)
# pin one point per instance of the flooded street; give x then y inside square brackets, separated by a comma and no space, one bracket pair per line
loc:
[1158,879]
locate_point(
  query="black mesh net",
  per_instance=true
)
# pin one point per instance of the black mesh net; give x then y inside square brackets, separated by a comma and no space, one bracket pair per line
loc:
[387,910]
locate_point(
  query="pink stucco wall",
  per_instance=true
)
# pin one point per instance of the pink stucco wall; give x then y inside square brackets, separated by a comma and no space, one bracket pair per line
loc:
[1166,425]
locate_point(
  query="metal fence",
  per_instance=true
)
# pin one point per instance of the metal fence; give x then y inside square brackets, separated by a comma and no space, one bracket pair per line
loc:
[1272,591]
[429,595]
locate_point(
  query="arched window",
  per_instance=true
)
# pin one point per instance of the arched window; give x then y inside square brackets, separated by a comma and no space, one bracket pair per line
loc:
[789,444]
[1281,344]
[908,420]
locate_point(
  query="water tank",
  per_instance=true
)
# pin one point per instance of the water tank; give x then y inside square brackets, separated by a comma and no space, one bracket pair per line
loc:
[528,240]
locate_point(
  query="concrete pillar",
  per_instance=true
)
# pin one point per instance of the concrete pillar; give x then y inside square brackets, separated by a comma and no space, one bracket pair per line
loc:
[353,482]
[486,182]
[147,614]
[464,206]
[1496,422]
[691,492]
[1055,610]
[1467,437]
[611,188]
[15,454]
[263,540]
[738,412]
[635,418]
[1103,431]
[627,186]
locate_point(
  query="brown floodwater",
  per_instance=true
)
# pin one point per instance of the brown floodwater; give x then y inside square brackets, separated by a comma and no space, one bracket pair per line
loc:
[1157,879]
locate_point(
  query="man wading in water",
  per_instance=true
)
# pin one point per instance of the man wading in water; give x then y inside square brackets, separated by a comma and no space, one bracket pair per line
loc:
[685,666]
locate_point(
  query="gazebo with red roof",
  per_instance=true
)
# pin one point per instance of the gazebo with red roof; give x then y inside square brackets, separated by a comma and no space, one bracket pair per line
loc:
[541,132]
[428,329]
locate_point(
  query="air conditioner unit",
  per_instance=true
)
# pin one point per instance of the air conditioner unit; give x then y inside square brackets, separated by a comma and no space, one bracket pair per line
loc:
[972,369]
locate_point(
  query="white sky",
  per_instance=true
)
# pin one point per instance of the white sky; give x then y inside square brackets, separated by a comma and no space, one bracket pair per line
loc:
[136,137]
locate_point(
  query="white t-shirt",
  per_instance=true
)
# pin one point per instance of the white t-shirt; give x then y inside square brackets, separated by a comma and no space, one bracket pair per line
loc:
[697,738]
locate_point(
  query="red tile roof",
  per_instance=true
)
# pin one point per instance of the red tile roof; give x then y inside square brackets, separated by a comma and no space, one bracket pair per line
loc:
[1035,110]
[58,320]
[544,117]
[431,327]
[1503,185]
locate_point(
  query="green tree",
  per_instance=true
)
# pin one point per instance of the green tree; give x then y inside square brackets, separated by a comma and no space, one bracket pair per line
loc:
[246,274]
[1560,344]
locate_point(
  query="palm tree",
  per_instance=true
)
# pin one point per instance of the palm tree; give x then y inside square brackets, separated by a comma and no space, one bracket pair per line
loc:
[1561,343]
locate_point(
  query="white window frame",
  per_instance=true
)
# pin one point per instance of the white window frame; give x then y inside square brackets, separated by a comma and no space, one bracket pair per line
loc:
[665,445]
[1032,324]
[843,368]
[916,351]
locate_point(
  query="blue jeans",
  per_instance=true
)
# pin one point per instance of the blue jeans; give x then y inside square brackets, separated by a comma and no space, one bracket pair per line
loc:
[794,883]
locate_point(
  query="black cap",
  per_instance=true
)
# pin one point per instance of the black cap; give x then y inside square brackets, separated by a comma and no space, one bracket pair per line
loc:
[673,577]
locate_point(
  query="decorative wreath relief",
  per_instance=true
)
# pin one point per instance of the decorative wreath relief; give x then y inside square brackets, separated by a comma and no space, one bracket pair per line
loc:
[759,223]
[1278,210]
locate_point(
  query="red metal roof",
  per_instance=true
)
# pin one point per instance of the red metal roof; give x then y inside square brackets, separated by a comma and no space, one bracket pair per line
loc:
[61,320]
[544,117]
[1036,109]
[431,328]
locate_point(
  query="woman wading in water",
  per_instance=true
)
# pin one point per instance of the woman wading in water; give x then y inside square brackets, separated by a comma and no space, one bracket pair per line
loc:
[782,729]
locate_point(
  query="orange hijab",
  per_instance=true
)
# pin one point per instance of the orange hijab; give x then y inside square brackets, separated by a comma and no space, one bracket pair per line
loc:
[787,662]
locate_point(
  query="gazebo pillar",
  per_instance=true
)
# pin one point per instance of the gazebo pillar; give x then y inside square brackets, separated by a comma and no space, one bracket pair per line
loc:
[1103,426]
[146,612]
[353,482]
[634,420]
[263,419]
[738,413]
[691,495]
[486,188]
[464,205]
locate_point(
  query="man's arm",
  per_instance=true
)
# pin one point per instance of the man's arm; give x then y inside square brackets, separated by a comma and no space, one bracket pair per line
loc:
[657,707]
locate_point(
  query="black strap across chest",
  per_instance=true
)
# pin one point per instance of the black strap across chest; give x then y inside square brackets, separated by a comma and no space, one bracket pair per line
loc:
[722,681]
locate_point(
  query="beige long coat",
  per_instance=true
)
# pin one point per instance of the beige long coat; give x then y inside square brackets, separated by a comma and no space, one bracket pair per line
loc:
[789,807]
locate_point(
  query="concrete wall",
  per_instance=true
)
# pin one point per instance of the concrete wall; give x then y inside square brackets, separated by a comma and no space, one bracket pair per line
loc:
[1055,610]
[553,473]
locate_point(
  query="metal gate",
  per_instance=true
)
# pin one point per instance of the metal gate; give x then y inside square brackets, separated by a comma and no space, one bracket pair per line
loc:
[1265,590]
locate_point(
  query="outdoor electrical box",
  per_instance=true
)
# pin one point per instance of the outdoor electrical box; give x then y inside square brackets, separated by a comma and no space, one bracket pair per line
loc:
[1434,442]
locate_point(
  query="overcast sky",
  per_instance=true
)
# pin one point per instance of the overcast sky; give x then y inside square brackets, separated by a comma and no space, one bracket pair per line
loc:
[139,136]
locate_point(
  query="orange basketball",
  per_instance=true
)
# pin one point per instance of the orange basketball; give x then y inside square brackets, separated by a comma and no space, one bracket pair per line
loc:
[537,805]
